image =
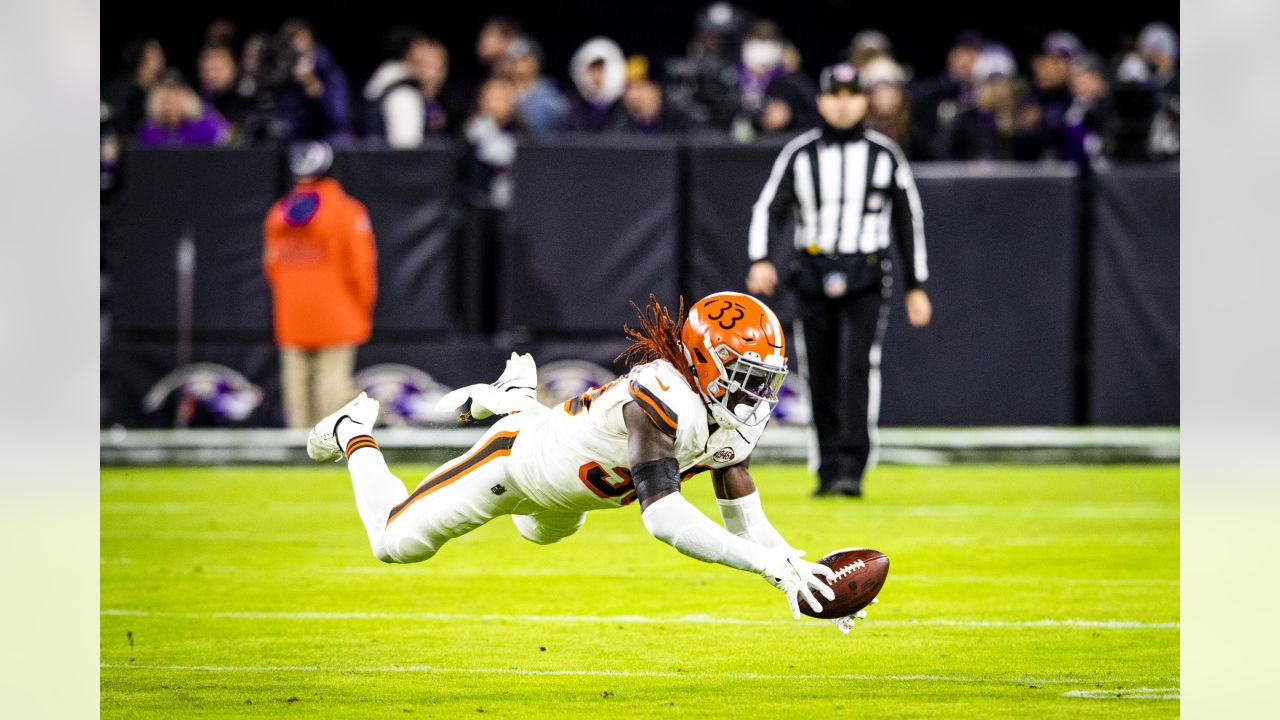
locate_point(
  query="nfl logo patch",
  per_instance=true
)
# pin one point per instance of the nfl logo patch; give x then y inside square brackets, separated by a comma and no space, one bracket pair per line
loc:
[724,455]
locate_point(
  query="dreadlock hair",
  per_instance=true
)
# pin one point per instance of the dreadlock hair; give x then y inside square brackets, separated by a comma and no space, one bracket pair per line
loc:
[657,338]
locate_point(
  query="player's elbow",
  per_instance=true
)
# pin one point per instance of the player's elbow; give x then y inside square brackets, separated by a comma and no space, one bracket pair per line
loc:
[660,530]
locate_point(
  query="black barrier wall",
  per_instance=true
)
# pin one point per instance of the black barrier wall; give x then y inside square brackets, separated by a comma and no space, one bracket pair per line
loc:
[595,224]
[411,196]
[218,200]
[1134,318]
[1003,281]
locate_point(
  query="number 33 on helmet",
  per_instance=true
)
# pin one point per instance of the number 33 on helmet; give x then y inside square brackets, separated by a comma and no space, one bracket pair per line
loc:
[737,350]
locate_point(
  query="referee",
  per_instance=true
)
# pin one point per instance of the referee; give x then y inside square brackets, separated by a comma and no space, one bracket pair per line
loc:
[852,196]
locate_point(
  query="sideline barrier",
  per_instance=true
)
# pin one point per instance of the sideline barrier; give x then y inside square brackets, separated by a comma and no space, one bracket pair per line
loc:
[1024,333]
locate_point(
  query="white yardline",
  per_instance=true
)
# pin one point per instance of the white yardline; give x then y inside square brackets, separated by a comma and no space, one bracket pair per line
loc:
[1127,694]
[642,619]
[602,673]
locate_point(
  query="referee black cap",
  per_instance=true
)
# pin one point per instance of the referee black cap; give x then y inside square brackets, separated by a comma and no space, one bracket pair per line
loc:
[835,77]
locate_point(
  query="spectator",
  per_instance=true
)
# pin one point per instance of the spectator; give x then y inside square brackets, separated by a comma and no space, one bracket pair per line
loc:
[541,104]
[175,116]
[493,133]
[442,107]
[493,42]
[1088,124]
[222,32]
[220,87]
[937,102]
[391,95]
[869,45]
[406,95]
[321,263]
[998,126]
[888,110]
[1146,96]
[790,101]
[314,103]
[760,65]
[1158,47]
[646,110]
[1051,91]
[143,63]
[109,147]
[599,71]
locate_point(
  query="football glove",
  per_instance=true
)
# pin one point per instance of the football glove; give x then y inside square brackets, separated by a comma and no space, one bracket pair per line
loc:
[795,578]
[845,624]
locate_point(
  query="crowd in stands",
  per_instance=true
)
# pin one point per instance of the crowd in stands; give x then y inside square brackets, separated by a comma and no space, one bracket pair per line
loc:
[739,75]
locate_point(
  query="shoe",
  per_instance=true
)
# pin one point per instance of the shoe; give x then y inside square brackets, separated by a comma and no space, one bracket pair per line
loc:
[322,443]
[846,486]
[515,390]
[824,490]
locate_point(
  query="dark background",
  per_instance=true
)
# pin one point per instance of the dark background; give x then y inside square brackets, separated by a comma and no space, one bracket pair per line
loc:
[921,33]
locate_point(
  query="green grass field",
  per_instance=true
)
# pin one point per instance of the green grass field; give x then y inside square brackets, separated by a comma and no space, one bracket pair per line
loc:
[1014,592]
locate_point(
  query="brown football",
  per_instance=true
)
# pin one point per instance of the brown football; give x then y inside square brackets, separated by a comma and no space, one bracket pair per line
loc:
[860,573]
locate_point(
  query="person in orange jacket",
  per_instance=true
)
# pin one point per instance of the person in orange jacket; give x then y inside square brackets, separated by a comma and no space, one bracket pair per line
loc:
[321,263]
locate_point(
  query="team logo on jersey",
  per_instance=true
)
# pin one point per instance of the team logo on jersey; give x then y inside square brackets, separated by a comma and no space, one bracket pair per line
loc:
[724,455]
[408,395]
[223,393]
[564,379]
[300,208]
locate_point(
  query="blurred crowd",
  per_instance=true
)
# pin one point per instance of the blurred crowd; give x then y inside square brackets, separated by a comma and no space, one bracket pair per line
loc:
[739,75]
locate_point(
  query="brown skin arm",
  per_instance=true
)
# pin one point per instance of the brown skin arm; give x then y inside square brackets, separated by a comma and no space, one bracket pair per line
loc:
[733,482]
[645,443]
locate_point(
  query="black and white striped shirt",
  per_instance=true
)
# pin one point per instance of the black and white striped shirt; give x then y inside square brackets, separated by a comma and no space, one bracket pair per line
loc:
[852,193]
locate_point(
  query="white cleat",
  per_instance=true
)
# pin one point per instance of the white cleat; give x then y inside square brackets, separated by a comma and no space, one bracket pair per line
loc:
[516,389]
[519,378]
[322,444]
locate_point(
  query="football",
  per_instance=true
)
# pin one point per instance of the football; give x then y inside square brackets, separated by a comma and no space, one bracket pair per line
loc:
[860,573]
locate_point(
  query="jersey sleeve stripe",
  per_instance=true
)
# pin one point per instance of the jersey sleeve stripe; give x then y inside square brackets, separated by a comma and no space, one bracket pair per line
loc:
[657,411]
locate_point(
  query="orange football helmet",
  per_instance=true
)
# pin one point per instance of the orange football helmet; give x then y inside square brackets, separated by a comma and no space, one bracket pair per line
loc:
[737,350]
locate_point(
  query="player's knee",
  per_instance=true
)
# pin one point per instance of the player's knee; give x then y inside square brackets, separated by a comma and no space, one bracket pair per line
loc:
[400,548]
[544,531]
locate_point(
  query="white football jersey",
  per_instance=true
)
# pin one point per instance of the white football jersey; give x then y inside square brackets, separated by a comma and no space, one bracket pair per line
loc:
[575,456]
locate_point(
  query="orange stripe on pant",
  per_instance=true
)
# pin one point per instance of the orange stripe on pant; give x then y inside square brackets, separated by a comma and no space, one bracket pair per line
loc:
[498,445]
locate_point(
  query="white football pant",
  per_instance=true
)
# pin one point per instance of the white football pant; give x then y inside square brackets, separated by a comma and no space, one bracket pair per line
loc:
[455,499]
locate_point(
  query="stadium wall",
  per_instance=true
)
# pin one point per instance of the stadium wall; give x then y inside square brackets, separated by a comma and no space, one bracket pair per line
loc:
[1055,294]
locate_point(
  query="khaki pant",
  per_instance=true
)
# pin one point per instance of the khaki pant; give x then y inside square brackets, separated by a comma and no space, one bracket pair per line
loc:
[314,383]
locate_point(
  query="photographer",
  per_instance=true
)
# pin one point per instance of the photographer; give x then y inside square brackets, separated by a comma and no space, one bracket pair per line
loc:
[300,92]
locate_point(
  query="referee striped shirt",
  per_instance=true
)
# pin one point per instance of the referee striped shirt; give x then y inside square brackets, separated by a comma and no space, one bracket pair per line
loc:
[852,193]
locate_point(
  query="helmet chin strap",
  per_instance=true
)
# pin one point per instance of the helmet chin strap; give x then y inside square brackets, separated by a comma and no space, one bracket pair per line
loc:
[723,417]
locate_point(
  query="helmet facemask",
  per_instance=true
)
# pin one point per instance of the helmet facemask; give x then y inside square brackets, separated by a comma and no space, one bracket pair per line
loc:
[747,380]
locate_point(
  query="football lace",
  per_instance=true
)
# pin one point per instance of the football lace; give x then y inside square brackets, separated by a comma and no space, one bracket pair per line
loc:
[846,570]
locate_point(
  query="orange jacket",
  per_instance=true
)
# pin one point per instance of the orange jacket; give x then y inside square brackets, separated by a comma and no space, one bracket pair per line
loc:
[322,266]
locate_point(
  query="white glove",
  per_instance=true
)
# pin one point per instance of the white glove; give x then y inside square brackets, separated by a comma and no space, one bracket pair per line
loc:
[794,577]
[845,624]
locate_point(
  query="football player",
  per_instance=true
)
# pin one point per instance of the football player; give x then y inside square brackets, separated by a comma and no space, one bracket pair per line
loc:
[697,398]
